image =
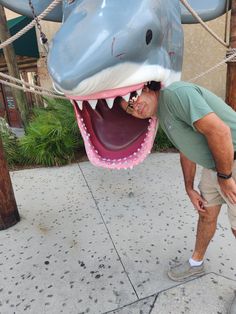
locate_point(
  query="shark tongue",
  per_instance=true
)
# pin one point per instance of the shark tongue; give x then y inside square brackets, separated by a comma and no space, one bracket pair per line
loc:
[113,132]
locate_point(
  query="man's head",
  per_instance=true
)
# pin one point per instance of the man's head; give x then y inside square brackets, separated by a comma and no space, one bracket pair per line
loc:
[145,105]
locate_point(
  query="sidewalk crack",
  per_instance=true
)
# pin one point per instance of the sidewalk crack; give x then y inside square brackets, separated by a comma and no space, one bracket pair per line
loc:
[119,257]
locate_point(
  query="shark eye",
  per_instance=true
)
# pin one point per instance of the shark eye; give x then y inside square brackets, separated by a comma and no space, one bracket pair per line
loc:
[148,36]
[70,1]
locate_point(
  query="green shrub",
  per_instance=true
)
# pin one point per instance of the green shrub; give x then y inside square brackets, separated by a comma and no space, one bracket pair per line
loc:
[10,144]
[52,136]
[161,141]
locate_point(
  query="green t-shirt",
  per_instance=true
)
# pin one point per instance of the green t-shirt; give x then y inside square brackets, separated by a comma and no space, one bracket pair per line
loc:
[179,106]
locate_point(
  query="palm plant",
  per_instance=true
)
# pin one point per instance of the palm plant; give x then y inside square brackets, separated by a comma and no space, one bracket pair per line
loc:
[162,142]
[52,136]
[10,143]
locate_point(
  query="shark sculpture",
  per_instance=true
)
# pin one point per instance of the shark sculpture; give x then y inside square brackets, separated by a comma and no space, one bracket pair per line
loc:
[107,49]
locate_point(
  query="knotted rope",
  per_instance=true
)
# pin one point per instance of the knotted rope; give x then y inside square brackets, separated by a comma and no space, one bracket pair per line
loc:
[204,25]
[30,25]
[230,57]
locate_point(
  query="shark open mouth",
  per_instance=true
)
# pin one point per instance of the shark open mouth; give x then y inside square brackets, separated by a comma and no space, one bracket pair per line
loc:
[113,139]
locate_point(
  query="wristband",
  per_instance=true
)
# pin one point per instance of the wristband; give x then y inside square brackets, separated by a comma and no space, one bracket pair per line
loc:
[224,176]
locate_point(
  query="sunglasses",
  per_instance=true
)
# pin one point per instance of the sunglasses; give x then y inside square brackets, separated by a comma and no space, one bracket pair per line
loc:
[130,108]
[154,86]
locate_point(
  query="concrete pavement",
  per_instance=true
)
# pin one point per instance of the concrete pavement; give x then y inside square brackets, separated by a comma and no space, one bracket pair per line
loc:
[99,241]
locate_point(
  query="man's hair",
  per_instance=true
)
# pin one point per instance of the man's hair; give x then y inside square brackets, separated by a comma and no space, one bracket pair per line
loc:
[153,85]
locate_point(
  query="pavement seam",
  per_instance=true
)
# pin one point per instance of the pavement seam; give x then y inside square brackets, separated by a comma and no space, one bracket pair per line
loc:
[153,303]
[170,288]
[223,276]
[124,306]
[96,204]
[185,282]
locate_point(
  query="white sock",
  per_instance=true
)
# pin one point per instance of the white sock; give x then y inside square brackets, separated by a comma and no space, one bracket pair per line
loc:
[193,263]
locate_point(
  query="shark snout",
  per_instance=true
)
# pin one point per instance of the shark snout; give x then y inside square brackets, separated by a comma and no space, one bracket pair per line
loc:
[72,61]
[93,41]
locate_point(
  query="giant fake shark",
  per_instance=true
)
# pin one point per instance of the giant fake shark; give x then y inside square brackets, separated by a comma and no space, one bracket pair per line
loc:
[107,49]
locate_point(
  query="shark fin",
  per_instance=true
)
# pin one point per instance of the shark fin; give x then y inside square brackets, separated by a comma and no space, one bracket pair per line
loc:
[22,7]
[207,10]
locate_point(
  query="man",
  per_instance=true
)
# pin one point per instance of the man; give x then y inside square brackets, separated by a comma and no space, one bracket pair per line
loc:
[203,128]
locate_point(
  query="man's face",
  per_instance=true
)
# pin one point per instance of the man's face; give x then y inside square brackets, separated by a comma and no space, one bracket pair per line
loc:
[144,107]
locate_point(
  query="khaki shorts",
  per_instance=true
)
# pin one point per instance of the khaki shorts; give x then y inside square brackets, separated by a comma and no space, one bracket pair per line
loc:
[211,192]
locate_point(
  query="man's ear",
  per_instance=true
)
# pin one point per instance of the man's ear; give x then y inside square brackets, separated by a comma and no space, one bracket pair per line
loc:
[206,9]
[146,89]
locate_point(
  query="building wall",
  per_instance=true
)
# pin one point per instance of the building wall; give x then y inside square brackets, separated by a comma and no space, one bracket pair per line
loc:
[201,52]
[49,28]
[10,14]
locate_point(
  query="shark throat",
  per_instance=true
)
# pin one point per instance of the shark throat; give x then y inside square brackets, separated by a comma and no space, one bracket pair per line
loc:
[114,139]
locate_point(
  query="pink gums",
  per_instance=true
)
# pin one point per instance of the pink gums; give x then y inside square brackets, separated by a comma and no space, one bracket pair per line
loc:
[112,93]
[122,163]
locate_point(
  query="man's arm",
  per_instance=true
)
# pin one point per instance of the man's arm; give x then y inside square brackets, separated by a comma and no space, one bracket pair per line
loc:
[189,171]
[220,142]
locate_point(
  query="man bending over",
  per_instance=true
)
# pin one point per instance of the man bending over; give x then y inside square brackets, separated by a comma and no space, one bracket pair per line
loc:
[203,128]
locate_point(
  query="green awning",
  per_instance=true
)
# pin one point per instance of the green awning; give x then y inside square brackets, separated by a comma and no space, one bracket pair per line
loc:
[27,44]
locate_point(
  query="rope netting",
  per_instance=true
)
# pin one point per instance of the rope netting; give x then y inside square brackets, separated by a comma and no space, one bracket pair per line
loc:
[25,86]
[204,25]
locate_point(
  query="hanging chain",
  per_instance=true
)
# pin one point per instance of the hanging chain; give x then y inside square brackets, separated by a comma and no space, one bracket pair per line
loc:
[43,37]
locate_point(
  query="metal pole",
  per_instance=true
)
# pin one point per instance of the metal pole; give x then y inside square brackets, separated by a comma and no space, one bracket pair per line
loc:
[9,214]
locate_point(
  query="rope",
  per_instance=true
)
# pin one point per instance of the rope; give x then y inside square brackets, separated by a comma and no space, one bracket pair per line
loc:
[194,14]
[231,57]
[32,91]
[22,82]
[231,54]
[30,25]
[227,59]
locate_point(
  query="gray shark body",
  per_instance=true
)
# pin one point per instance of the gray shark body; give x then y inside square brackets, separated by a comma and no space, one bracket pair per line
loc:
[109,48]
[106,45]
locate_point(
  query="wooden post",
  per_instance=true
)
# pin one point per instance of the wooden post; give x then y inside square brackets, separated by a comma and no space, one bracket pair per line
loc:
[12,66]
[231,70]
[9,214]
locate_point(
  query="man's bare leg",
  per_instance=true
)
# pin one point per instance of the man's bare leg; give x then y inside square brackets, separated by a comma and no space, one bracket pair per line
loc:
[205,231]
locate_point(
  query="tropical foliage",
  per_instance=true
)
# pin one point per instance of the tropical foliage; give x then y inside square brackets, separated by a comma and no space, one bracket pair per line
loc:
[162,142]
[52,137]
[10,143]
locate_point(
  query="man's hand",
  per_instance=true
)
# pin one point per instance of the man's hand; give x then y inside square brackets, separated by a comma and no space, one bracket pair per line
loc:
[228,187]
[197,200]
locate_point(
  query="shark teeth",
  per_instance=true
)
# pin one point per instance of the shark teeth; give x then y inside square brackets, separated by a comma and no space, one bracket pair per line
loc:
[80,104]
[93,103]
[127,162]
[110,102]
[126,97]
[139,92]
